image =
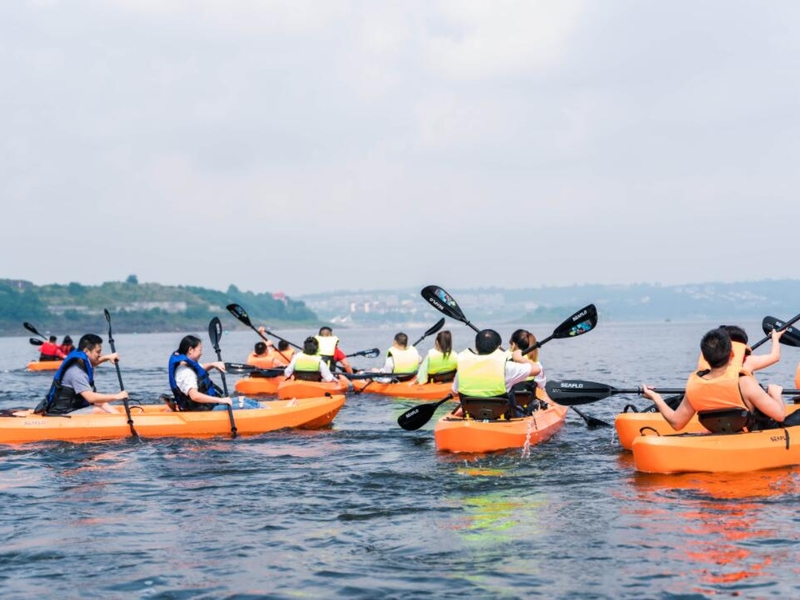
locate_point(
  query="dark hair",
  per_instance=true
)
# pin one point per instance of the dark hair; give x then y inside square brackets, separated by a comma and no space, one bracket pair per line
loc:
[284,345]
[523,339]
[53,339]
[310,346]
[67,340]
[402,339]
[189,342]
[260,347]
[445,341]
[716,348]
[736,333]
[487,341]
[322,330]
[89,341]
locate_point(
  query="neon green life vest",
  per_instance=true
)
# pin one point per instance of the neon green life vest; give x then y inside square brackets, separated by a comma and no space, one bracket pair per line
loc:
[482,375]
[405,361]
[437,363]
[327,344]
[307,363]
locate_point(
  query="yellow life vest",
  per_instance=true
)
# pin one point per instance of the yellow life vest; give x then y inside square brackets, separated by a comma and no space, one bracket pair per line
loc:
[327,344]
[437,363]
[482,375]
[263,361]
[710,394]
[307,363]
[405,361]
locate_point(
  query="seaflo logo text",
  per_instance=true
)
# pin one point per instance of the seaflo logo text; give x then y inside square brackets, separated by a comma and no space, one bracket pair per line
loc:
[580,315]
[571,385]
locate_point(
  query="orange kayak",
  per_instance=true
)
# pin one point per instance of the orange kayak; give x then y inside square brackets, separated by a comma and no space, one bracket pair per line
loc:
[406,389]
[457,434]
[631,425]
[160,421]
[258,386]
[297,388]
[717,452]
[44,365]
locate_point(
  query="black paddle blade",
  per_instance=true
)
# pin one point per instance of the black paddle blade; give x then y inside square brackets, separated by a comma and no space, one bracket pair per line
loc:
[443,302]
[416,417]
[240,313]
[215,332]
[35,342]
[581,322]
[791,336]
[591,422]
[576,392]
[32,329]
[372,353]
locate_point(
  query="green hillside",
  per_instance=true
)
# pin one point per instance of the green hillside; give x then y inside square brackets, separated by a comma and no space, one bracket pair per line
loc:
[136,307]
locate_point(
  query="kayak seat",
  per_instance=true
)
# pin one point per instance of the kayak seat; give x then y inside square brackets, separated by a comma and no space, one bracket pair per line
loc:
[443,377]
[401,377]
[724,420]
[308,375]
[170,401]
[485,409]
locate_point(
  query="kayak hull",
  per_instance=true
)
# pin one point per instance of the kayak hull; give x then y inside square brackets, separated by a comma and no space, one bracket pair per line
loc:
[44,365]
[632,425]
[456,434]
[258,386]
[716,453]
[409,389]
[159,421]
[296,388]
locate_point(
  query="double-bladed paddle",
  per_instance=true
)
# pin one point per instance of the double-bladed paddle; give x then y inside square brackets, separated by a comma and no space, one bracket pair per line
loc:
[33,330]
[579,323]
[445,304]
[435,329]
[252,369]
[215,333]
[240,313]
[790,337]
[371,353]
[119,375]
[577,391]
[416,417]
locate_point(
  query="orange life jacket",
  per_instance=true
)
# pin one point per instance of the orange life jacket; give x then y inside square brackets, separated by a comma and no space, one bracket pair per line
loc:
[719,392]
[797,377]
[265,361]
[280,361]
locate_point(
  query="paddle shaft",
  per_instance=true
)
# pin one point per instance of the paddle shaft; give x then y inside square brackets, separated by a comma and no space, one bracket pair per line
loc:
[119,376]
[214,332]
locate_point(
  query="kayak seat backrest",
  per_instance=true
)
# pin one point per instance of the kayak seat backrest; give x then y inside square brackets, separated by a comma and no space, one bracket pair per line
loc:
[443,377]
[308,375]
[724,420]
[485,409]
[401,377]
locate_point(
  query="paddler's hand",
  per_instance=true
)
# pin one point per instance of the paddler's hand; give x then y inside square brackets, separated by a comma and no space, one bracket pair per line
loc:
[123,395]
[219,366]
[226,401]
[113,357]
[650,393]
[777,335]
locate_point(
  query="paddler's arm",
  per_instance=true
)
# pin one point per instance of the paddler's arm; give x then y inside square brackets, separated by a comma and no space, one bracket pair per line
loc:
[197,396]
[219,366]
[757,362]
[113,357]
[770,402]
[678,418]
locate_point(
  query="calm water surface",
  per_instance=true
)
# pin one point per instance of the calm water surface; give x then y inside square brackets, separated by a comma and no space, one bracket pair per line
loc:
[367,510]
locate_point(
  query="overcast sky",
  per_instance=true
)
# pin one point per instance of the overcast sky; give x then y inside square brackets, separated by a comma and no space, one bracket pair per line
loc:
[310,146]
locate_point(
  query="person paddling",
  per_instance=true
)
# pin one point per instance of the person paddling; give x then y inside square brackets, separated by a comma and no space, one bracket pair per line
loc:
[309,365]
[73,390]
[330,351]
[50,350]
[489,374]
[66,345]
[191,385]
[725,385]
[439,365]
[261,356]
[402,360]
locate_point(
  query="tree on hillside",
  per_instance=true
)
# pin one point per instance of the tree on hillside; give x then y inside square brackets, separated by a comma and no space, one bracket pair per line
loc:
[132,279]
